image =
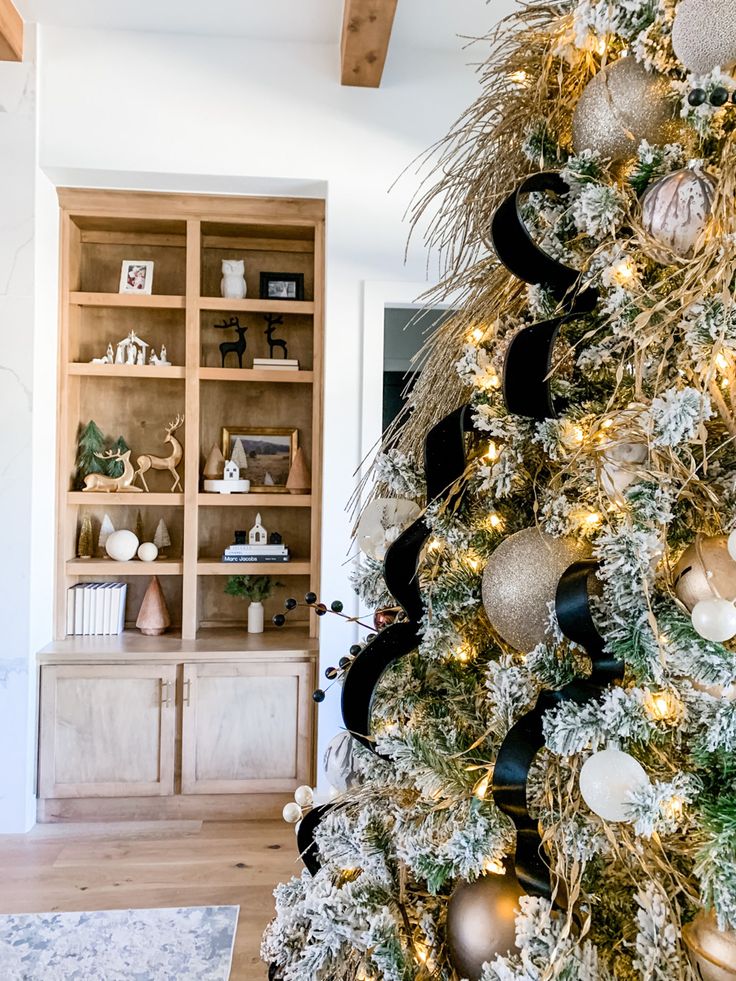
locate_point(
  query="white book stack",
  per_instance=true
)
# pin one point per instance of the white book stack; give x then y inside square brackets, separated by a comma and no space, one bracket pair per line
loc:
[96,608]
[256,553]
[276,364]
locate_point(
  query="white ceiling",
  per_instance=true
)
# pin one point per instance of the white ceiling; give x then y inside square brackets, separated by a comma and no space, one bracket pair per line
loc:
[435,24]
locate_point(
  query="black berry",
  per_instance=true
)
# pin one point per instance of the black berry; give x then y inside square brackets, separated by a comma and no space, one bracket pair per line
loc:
[310,599]
[320,609]
[719,96]
[697,97]
[279,620]
[355,650]
[336,606]
[344,661]
[291,603]
[331,673]
[318,695]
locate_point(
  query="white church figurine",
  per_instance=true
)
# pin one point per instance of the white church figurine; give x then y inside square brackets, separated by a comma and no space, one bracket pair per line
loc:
[258,534]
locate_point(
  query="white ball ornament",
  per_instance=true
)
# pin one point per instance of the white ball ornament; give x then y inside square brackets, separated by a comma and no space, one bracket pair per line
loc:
[715,619]
[383,520]
[606,780]
[304,796]
[121,545]
[292,812]
[147,552]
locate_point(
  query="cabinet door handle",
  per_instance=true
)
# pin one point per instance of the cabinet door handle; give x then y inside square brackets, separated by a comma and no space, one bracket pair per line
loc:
[186,694]
[165,693]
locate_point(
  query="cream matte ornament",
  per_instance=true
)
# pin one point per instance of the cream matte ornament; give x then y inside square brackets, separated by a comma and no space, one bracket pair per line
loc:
[712,952]
[121,545]
[715,619]
[675,212]
[147,552]
[481,922]
[621,106]
[705,571]
[704,35]
[606,780]
[520,581]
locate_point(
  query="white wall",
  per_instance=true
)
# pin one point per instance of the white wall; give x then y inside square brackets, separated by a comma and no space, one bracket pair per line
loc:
[171,112]
[17,672]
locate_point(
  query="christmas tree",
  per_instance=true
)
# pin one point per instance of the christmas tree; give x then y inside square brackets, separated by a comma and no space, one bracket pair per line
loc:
[91,442]
[115,468]
[542,775]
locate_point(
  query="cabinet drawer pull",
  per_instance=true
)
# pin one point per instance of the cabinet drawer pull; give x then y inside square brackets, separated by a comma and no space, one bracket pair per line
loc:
[187,691]
[165,693]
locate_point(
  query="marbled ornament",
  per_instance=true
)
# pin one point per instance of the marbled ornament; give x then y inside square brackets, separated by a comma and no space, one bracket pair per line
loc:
[621,106]
[520,581]
[339,763]
[481,922]
[704,35]
[675,213]
[705,571]
[712,952]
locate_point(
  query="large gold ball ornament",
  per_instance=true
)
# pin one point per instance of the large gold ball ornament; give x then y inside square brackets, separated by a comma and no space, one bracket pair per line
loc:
[481,922]
[704,35]
[712,952]
[520,580]
[675,212]
[621,106]
[705,571]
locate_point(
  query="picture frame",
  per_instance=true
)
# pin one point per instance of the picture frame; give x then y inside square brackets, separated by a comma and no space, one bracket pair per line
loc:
[136,276]
[282,286]
[281,444]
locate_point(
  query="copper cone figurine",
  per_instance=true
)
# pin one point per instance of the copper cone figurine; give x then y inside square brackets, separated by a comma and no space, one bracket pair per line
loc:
[299,480]
[153,616]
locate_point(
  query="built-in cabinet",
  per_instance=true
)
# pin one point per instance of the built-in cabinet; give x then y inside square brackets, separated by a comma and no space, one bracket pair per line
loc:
[205,720]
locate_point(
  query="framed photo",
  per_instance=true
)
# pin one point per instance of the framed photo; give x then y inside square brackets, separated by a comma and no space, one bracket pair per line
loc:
[136,276]
[282,286]
[268,453]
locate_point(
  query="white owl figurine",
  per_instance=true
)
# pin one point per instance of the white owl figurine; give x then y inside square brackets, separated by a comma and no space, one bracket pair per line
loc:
[232,284]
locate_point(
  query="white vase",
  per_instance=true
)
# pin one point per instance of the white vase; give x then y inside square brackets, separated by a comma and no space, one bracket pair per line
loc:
[255,618]
[232,284]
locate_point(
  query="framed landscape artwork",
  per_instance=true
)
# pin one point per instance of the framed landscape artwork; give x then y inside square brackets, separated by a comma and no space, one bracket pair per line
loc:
[263,455]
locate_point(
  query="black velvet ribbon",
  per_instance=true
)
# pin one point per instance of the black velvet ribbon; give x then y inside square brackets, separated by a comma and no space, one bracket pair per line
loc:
[526,382]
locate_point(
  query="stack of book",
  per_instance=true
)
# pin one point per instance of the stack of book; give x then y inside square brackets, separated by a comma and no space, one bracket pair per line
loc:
[256,553]
[96,608]
[276,364]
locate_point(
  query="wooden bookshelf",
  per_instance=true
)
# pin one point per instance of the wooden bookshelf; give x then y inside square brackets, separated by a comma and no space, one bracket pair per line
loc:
[205,715]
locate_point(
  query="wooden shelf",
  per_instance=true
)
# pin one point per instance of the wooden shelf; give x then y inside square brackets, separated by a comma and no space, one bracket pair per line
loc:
[256,375]
[216,644]
[109,567]
[142,302]
[214,567]
[126,370]
[111,500]
[256,306]
[252,500]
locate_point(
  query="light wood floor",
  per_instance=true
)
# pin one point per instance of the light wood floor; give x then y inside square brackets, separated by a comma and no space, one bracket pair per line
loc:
[149,864]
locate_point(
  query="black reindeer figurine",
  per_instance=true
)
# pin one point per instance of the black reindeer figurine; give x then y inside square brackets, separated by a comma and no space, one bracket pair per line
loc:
[234,347]
[273,320]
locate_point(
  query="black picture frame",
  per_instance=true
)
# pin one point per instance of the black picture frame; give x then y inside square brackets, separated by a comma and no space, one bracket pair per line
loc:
[282,286]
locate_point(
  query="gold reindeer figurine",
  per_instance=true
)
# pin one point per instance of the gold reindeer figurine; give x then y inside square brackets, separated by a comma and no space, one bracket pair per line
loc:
[148,462]
[122,484]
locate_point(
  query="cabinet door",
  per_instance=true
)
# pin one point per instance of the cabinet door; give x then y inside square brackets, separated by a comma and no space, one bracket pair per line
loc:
[247,727]
[107,731]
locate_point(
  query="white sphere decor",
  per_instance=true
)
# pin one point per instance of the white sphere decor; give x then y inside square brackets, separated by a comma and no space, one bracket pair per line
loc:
[382,522]
[731,545]
[147,552]
[121,545]
[606,780]
[704,35]
[715,619]
[292,812]
[304,796]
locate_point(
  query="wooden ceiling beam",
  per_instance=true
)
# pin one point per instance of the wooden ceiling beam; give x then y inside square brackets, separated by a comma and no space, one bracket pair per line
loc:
[11,32]
[366,32]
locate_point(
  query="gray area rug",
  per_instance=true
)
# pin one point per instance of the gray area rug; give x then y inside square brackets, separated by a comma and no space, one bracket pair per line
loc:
[187,944]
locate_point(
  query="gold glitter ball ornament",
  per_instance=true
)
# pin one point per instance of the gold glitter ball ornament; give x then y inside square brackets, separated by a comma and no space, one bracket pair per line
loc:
[481,922]
[704,35]
[621,106]
[705,571]
[520,580]
[712,952]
